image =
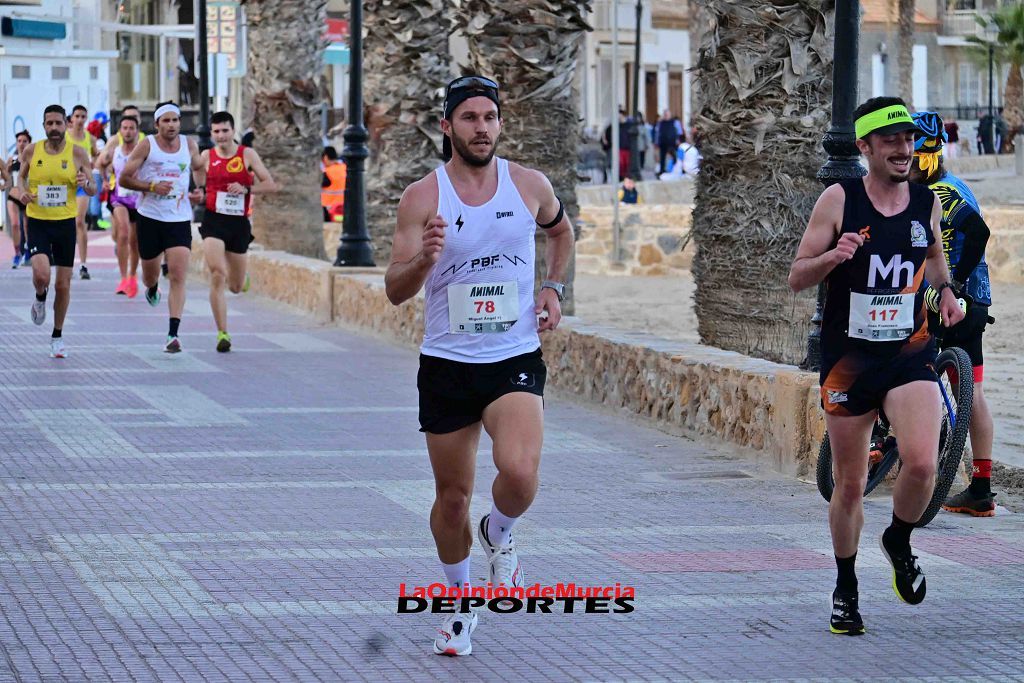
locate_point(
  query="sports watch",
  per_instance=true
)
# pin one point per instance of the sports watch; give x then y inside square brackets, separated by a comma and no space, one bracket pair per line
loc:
[558,288]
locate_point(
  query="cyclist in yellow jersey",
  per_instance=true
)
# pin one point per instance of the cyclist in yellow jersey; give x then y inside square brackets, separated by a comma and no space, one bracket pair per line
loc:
[51,171]
[78,136]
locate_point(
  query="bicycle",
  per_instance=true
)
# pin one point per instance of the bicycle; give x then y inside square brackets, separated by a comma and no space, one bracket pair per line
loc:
[955,376]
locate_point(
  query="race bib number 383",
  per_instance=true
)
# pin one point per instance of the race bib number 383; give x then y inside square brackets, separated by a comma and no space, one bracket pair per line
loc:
[483,308]
[881,317]
[51,196]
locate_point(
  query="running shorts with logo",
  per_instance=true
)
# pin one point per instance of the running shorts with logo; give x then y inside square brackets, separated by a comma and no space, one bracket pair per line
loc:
[156,237]
[874,331]
[454,395]
[55,238]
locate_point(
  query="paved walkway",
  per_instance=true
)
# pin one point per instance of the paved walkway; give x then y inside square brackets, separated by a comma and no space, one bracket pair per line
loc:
[250,517]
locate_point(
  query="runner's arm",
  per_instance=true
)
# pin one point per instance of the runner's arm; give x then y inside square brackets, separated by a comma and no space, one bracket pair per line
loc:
[817,254]
[83,164]
[5,176]
[560,237]
[198,164]
[103,160]
[410,265]
[265,182]
[26,164]
[132,166]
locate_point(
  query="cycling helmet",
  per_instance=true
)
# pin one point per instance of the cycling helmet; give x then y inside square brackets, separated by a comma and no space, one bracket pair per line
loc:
[931,133]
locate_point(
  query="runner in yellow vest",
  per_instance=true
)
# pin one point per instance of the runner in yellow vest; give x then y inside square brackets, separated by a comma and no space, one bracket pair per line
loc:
[51,172]
[79,137]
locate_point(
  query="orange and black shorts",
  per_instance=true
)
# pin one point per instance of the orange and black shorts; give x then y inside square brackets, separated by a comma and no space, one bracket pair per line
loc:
[856,381]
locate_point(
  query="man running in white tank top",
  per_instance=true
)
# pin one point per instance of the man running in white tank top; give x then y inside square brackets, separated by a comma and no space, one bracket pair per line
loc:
[159,168]
[466,232]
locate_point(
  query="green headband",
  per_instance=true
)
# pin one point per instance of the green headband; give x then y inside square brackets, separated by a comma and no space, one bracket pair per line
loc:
[882,118]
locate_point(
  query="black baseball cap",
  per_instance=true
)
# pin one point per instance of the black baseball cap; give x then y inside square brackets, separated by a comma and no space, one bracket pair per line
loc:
[460,90]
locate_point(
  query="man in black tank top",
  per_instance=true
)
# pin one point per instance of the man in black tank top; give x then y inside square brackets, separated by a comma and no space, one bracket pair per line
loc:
[873,241]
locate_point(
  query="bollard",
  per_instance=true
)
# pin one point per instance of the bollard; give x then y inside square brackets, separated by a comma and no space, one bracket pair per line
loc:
[1019,145]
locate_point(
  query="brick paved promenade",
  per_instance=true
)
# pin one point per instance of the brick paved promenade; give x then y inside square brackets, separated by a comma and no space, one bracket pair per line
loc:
[250,516]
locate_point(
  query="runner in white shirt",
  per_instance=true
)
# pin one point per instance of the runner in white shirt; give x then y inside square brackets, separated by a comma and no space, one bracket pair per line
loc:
[466,232]
[159,168]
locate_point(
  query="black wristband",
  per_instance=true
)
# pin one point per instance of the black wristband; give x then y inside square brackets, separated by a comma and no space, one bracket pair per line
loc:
[558,217]
[943,286]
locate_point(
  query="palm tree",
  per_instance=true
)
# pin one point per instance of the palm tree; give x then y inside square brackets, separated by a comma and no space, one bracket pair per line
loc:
[764,72]
[405,70]
[286,88]
[531,47]
[1009,49]
[905,49]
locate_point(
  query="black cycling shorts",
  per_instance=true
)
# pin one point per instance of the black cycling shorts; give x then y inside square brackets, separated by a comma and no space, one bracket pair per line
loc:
[156,237]
[234,231]
[56,239]
[454,395]
[966,334]
[857,381]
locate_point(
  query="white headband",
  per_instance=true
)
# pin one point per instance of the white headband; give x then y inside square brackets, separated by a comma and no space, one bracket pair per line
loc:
[168,108]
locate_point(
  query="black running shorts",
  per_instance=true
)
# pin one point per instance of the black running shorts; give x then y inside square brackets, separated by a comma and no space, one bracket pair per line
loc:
[156,237]
[56,239]
[454,395]
[234,231]
[856,382]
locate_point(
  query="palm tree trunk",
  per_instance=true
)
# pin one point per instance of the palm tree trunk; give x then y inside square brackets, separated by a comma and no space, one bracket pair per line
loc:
[905,54]
[765,77]
[1013,101]
[532,47]
[285,85]
[405,71]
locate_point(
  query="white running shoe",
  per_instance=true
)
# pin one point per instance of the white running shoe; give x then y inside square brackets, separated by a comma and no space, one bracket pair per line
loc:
[453,639]
[57,349]
[503,559]
[39,312]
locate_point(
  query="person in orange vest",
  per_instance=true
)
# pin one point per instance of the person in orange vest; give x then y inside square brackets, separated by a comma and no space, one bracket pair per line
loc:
[332,186]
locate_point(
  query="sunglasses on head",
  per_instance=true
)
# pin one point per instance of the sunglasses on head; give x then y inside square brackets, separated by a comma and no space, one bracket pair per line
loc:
[472,81]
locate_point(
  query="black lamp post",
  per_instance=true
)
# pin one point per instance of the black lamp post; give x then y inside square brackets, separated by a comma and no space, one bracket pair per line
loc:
[203,129]
[354,249]
[991,64]
[638,123]
[840,140]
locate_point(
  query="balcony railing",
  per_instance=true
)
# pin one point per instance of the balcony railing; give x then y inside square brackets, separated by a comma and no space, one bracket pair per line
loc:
[962,23]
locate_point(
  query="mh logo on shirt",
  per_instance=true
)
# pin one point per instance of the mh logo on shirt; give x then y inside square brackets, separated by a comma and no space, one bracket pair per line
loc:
[895,268]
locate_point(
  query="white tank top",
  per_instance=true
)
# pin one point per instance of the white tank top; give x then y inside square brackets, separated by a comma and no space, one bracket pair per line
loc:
[479,296]
[174,168]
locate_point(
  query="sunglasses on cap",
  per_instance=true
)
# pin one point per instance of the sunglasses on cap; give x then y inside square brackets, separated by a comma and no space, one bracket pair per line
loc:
[471,82]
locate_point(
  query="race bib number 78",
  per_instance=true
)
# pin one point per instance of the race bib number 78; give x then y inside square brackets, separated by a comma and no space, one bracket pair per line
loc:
[483,308]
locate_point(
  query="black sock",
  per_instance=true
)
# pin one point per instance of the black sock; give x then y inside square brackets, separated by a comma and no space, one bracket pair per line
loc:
[898,533]
[42,297]
[846,581]
[56,334]
[173,331]
[151,291]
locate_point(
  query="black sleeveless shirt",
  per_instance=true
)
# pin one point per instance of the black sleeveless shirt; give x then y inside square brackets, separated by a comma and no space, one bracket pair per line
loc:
[875,301]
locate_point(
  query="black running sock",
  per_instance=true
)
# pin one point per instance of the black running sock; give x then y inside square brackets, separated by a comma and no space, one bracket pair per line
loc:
[56,334]
[898,534]
[173,330]
[151,291]
[42,297]
[846,580]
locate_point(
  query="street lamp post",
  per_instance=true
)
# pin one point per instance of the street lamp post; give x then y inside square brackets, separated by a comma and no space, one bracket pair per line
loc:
[354,249]
[991,61]
[840,140]
[638,124]
[203,129]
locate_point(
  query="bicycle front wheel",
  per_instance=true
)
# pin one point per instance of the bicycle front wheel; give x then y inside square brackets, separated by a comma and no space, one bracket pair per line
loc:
[956,383]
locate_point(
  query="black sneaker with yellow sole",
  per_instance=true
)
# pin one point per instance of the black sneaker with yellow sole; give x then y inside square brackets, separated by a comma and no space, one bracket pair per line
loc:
[845,614]
[908,580]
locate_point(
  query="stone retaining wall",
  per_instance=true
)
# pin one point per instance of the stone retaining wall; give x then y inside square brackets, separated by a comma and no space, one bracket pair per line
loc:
[652,234]
[677,386]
